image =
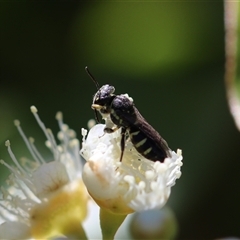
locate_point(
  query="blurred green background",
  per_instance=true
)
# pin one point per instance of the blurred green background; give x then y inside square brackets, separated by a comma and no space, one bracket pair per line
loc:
[168,56]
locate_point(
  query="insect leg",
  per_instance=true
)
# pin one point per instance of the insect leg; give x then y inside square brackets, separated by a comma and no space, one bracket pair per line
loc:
[123,132]
[96,116]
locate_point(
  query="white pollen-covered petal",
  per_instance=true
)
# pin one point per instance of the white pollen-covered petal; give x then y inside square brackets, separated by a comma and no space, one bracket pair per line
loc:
[49,177]
[136,182]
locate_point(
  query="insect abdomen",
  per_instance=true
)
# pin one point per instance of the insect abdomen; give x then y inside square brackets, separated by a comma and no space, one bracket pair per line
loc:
[146,146]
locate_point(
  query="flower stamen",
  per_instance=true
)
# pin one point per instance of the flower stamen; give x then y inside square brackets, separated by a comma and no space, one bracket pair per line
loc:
[7,144]
[44,198]
[135,183]
[47,132]
[39,159]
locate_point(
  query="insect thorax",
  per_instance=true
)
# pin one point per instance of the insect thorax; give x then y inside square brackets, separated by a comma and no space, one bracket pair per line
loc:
[122,111]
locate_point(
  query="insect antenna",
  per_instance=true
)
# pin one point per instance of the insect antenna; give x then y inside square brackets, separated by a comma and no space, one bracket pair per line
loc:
[92,77]
[97,86]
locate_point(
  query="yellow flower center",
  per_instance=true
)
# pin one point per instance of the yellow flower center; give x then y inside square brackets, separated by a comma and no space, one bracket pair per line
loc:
[62,212]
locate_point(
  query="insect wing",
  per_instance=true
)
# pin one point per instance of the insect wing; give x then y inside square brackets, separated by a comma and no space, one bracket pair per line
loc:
[144,137]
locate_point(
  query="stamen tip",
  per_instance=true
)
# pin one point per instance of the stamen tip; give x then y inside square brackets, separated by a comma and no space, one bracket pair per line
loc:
[179,152]
[16,122]
[59,116]
[91,123]
[84,132]
[74,143]
[7,143]
[49,130]
[33,109]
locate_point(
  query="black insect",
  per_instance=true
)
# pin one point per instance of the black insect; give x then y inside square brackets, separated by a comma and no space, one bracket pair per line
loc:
[123,114]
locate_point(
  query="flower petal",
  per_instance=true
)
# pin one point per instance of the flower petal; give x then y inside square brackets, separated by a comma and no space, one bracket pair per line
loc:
[135,184]
[14,230]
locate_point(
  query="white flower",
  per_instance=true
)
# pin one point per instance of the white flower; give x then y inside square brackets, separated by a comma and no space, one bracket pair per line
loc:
[44,199]
[135,184]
